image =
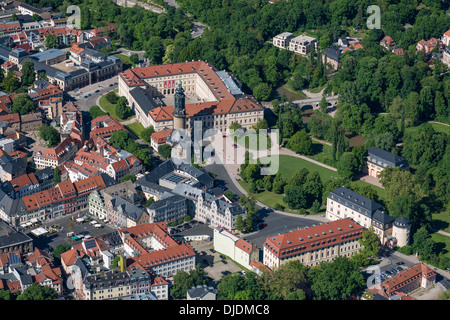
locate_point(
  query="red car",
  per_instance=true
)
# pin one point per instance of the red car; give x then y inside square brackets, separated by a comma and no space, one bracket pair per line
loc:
[262,225]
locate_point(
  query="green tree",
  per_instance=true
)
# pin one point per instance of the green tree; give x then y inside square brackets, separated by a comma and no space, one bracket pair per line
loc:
[239,223]
[262,91]
[296,197]
[127,177]
[301,143]
[165,150]
[348,166]
[56,176]
[147,133]
[370,243]
[60,249]
[23,104]
[51,41]
[336,280]
[122,110]
[183,281]
[6,295]
[28,74]
[49,134]
[285,281]
[38,292]
[134,58]
[10,83]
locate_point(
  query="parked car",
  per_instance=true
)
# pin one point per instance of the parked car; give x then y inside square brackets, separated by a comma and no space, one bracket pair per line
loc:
[400,263]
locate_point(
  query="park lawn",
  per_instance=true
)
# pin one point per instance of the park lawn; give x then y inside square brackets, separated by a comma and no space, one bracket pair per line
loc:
[125,60]
[442,240]
[288,88]
[251,140]
[436,126]
[136,128]
[288,165]
[380,191]
[111,108]
[322,153]
[441,221]
[267,197]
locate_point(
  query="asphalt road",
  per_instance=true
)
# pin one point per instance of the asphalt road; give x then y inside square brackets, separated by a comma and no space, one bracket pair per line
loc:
[86,103]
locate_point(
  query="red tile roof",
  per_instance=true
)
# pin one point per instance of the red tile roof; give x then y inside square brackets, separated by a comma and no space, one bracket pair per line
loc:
[303,240]
[161,136]
[225,101]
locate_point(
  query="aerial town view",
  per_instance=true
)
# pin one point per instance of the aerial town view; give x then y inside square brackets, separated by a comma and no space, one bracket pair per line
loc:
[232,150]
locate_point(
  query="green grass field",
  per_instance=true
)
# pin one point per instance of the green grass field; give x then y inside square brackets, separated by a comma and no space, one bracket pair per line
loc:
[288,165]
[136,128]
[111,108]
[249,141]
[436,126]
[125,60]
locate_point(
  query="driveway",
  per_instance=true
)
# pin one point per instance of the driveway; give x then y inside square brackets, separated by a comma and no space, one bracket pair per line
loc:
[103,88]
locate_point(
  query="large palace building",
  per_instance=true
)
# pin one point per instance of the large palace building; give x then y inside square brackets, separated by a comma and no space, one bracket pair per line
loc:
[212,97]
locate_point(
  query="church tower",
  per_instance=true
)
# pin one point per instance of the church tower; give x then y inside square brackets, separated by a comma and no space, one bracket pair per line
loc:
[179,112]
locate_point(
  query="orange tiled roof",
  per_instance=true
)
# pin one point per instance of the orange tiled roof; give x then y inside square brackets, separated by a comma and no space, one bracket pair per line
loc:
[312,238]
[161,136]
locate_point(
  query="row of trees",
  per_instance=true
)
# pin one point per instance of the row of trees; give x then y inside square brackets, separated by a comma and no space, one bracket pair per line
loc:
[123,140]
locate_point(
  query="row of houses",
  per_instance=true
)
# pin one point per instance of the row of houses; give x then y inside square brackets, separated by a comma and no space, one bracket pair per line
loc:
[147,254]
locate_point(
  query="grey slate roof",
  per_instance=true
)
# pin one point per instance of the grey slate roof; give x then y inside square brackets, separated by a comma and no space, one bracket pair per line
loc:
[9,237]
[388,158]
[333,53]
[382,217]
[345,195]
[131,211]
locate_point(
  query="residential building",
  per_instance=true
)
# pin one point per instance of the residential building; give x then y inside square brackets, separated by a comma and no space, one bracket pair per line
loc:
[52,107]
[446,56]
[11,167]
[24,185]
[54,157]
[152,249]
[282,40]
[446,38]
[332,56]
[429,45]
[46,274]
[172,208]
[343,203]
[313,245]
[98,198]
[418,276]
[124,214]
[159,138]
[379,159]
[12,240]
[388,43]
[302,44]
[31,121]
[104,126]
[236,248]
[201,293]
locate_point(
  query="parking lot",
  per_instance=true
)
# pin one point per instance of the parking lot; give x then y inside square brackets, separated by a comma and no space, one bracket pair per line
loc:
[84,229]
[212,261]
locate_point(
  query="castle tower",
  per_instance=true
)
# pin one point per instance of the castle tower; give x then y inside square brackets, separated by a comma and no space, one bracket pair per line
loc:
[179,112]
[401,231]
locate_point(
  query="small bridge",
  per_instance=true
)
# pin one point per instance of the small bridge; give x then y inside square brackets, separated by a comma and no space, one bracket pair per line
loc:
[314,102]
